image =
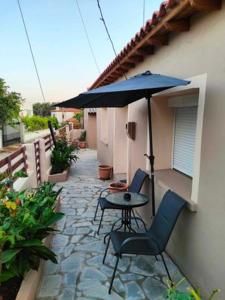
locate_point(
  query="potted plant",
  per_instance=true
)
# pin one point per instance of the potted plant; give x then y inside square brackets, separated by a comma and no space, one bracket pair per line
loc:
[26,219]
[61,158]
[118,187]
[105,172]
[82,140]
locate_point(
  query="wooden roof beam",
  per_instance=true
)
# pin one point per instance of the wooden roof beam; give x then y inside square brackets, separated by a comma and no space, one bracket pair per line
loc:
[159,40]
[145,50]
[178,25]
[128,65]
[135,58]
[206,5]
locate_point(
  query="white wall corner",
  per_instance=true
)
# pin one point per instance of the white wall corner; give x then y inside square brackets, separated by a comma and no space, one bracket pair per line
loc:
[44,161]
[31,162]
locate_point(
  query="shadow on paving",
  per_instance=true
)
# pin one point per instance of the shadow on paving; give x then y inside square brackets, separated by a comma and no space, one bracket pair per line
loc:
[80,274]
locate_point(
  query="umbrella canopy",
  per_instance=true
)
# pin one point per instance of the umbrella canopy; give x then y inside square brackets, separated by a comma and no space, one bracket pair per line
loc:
[124,92]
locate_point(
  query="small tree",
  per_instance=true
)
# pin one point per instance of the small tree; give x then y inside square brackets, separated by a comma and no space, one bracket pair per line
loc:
[10,104]
[42,109]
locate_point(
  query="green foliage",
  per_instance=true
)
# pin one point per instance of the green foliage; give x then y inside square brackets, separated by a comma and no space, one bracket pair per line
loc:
[78,116]
[174,294]
[33,123]
[10,104]
[25,220]
[42,109]
[62,155]
[82,137]
[54,121]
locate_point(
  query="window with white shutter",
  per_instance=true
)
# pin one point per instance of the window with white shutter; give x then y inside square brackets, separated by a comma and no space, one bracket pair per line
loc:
[184,139]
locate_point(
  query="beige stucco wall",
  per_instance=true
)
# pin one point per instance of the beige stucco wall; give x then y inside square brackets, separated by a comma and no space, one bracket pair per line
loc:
[120,141]
[105,150]
[91,131]
[198,242]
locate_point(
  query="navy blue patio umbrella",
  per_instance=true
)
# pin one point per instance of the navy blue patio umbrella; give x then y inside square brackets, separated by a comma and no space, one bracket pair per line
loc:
[122,93]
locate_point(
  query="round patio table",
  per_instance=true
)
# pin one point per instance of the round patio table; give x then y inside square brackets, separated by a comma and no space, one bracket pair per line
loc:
[136,200]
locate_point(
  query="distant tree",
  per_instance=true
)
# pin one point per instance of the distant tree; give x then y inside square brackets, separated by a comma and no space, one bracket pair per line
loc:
[42,109]
[10,104]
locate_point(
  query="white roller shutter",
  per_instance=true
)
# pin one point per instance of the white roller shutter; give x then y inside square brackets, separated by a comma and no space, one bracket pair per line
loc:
[184,139]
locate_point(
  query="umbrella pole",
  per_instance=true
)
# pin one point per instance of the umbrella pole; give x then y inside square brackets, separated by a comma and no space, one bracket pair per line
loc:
[151,156]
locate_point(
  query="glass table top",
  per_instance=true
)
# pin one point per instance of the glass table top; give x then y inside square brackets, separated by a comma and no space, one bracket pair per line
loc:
[136,199]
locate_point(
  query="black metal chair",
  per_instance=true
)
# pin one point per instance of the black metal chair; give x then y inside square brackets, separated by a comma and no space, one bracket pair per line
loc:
[155,240]
[134,187]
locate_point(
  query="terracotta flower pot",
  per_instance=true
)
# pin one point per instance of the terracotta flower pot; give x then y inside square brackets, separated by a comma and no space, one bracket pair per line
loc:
[118,187]
[105,172]
[82,144]
[75,143]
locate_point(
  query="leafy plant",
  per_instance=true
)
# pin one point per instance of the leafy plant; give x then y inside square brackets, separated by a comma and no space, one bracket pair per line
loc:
[62,155]
[35,122]
[25,220]
[79,115]
[82,137]
[43,109]
[174,294]
[10,104]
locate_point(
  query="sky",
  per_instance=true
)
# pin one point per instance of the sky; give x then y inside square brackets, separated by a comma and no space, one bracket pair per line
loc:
[66,66]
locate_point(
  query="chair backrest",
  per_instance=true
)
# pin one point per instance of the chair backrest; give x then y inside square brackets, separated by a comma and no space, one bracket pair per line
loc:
[137,181]
[166,218]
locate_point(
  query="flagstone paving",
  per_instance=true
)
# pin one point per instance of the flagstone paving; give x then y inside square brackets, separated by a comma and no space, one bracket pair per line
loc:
[80,274]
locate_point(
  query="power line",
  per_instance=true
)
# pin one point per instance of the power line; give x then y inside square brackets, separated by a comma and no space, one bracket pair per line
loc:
[107,31]
[31,50]
[87,36]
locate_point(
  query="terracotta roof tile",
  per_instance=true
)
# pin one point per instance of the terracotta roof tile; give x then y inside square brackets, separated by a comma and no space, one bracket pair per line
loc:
[168,10]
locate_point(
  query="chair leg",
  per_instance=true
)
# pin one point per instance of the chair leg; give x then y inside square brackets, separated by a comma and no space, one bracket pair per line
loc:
[114,273]
[167,271]
[96,211]
[100,223]
[135,218]
[106,250]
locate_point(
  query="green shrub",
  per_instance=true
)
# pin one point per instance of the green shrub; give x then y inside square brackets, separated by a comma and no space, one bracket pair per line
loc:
[61,156]
[33,123]
[25,220]
[82,137]
[173,292]
[54,122]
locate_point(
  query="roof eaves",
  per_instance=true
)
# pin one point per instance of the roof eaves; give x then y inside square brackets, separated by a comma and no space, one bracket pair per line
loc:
[173,16]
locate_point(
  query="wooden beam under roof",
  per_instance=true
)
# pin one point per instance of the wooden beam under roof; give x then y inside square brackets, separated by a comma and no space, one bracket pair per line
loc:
[206,5]
[159,40]
[135,58]
[145,50]
[128,65]
[178,25]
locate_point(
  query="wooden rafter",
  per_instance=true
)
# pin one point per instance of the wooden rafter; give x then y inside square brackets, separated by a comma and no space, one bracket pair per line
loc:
[145,50]
[178,25]
[206,5]
[176,19]
[136,58]
[159,40]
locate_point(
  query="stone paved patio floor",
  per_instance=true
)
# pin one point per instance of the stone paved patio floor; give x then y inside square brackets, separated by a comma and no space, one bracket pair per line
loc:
[80,274]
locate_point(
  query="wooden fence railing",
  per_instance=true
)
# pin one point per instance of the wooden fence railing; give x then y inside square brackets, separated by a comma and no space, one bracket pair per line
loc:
[48,142]
[37,160]
[17,161]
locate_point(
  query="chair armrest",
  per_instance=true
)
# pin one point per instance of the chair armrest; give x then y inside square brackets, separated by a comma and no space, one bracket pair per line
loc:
[136,239]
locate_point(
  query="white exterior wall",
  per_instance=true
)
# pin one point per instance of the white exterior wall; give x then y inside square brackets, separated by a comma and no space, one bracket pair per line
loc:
[198,242]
